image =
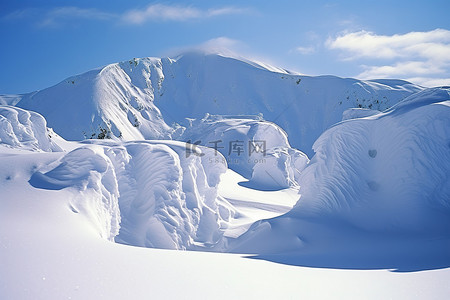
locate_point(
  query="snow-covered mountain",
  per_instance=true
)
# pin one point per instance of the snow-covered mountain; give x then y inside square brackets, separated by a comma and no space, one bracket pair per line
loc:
[227,175]
[140,98]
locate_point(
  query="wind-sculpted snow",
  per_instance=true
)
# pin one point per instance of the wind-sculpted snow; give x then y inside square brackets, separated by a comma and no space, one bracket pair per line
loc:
[377,193]
[388,171]
[89,173]
[139,98]
[157,194]
[25,129]
[169,199]
[256,149]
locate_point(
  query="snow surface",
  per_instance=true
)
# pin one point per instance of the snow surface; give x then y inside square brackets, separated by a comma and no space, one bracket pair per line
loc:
[370,197]
[24,129]
[368,173]
[367,217]
[50,252]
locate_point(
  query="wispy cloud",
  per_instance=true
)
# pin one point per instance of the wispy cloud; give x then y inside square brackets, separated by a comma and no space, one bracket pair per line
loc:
[305,50]
[411,55]
[162,12]
[19,14]
[152,13]
[60,15]
[220,45]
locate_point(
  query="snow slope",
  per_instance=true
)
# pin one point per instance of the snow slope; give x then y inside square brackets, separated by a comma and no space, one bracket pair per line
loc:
[375,195]
[116,100]
[136,99]
[49,252]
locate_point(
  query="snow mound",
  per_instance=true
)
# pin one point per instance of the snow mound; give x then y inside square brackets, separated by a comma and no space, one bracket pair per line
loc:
[377,193]
[386,172]
[136,99]
[88,172]
[26,130]
[256,149]
[159,195]
[169,197]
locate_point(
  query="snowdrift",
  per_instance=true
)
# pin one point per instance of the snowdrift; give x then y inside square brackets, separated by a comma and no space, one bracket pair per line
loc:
[88,174]
[25,130]
[139,98]
[256,149]
[376,194]
[149,194]
[389,171]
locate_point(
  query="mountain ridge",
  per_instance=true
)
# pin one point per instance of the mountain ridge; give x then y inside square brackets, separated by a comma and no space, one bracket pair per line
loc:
[144,98]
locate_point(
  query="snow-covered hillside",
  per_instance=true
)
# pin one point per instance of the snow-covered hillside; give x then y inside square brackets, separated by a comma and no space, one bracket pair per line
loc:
[229,174]
[139,98]
[102,103]
[376,194]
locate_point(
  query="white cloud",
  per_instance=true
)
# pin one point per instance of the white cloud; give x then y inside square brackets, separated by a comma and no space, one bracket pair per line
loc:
[161,12]
[155,12]
[400,69]
[433,44]
[430,82]
[305,50]
[422,56]
[60,15]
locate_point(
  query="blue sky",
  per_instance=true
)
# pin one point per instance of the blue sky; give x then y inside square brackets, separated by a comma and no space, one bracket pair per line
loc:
[43,42]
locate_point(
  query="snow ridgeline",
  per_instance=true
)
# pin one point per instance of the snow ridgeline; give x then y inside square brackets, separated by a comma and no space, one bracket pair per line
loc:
[148,194]
[256,149]
[382,175]
[111,102]
[24,129]
[140,98]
